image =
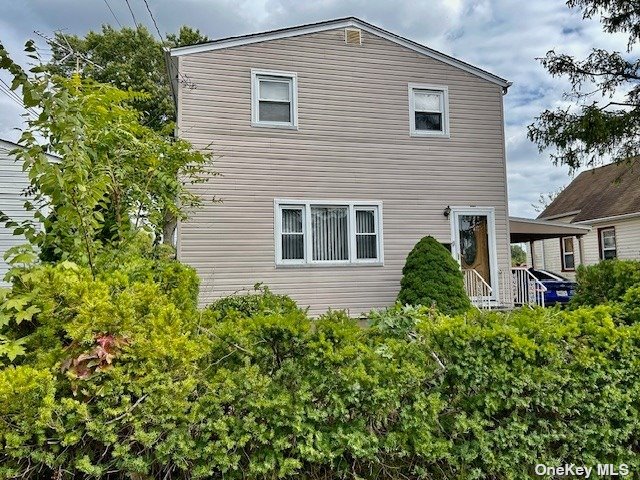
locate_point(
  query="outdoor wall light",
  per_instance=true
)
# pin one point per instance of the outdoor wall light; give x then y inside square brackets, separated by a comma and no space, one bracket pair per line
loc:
[447,211]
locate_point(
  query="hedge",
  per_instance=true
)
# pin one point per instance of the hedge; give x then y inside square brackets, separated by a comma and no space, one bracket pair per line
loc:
[123,378]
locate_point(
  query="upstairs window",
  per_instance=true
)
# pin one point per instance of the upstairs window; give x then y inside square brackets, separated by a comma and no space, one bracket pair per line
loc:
[429,110]
[568,253]
[328,232]
[273,99]
[607,240]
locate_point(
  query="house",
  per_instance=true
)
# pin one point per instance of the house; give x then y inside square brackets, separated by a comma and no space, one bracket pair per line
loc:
[13,183]
[339,145]
[606,199]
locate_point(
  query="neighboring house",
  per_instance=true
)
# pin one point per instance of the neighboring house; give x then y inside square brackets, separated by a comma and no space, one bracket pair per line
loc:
[339,145]
[607,199]
[13,182]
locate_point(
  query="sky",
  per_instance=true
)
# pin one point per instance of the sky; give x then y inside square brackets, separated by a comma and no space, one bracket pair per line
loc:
[502,36]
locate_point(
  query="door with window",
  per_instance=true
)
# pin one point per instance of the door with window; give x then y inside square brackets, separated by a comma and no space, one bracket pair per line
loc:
[474,243]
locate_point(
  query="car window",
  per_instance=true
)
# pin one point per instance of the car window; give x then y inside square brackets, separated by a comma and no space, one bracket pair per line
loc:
[543,275]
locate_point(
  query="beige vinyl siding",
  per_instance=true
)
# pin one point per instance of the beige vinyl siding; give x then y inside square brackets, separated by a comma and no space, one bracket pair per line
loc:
[352,143]
[627,240]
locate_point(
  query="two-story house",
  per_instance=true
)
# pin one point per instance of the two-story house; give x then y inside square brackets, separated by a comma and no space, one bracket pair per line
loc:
[339,145]
[606,199]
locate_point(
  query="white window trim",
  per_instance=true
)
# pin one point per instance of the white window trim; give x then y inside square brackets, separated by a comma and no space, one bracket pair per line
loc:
[444,133]
[306,205]
[490,212]
[255,95]
[564,253]
[603,249]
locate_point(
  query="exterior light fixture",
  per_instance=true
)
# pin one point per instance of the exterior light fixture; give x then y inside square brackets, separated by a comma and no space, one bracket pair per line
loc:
[447,211]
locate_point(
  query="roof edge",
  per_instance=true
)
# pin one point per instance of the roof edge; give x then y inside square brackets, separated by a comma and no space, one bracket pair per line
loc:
[332,24]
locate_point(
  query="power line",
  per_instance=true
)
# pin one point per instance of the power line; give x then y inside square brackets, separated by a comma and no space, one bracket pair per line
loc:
[135,22]
[153,19]
[106,2]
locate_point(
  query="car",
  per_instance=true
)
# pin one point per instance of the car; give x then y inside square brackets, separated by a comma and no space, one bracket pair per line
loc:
[559,289]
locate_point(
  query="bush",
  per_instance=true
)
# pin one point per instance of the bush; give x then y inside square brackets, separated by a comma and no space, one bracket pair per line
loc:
[120,381]
[605,282]
[432,277]
[247,304]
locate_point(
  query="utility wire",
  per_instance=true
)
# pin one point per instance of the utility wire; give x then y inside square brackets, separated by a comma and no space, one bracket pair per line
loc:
[153,19]
[135,22]
[106,2]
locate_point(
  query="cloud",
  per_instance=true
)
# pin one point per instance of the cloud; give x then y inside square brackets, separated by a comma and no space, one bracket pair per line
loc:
[502,36]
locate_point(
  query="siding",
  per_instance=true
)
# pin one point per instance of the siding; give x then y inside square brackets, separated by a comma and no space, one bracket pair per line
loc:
[627,240]
[353,143]
[13,181]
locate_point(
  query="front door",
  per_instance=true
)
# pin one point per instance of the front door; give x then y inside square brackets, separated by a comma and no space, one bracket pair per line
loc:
[474,243]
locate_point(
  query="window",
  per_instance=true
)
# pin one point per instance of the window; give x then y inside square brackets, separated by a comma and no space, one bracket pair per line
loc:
[568,253]
[328,232]
[274,99]
[607,241]
[429,110]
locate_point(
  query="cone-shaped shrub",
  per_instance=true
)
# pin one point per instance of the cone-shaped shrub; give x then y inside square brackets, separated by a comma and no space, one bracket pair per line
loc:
[431,276]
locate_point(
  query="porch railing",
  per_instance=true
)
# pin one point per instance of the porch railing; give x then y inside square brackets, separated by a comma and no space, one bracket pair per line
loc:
[516,288]
[478,290]
[527,289]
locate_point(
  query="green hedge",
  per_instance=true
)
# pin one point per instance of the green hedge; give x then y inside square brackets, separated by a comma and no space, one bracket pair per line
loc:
[604,282]
[122,378]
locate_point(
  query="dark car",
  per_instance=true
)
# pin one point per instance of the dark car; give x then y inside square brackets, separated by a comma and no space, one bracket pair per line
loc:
[559,289]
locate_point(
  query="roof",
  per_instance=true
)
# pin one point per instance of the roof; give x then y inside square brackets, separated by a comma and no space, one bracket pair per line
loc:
[529,230]
[8,146]
[333,24]
[603,192]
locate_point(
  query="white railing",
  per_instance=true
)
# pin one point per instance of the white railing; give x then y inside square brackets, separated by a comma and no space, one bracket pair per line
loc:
[478,290]
[527,289]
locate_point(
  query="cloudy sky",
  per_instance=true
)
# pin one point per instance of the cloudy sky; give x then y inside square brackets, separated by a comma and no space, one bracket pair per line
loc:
[502,36]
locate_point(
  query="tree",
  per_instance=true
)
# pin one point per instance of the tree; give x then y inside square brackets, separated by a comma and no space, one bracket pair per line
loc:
[594,127]
[431,276]
[114,177]
[518,255]
[130,59]
[545,199]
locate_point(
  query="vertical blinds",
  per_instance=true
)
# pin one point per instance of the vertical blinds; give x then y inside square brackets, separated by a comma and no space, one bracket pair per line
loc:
[330,233]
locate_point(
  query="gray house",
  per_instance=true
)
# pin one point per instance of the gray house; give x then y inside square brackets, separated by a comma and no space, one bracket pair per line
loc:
[339,145]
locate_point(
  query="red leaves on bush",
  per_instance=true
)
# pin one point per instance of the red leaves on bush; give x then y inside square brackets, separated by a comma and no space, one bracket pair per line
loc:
[98,359]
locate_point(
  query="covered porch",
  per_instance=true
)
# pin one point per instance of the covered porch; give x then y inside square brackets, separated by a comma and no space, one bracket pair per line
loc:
[518,287]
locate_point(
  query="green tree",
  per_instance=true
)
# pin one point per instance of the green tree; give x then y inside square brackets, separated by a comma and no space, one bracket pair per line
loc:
[604,119]
[130,59]
[432,277]
[114,176]
[518,255]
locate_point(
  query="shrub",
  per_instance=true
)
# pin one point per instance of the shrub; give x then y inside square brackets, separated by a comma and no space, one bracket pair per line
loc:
[431,276]
[118,381]
[248,304]
[606,281]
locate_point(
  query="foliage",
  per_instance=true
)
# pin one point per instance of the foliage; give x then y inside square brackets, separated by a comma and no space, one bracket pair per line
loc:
[120,382]
[518,255]
[605,282]
[129,59]
[432,276]
[247,304]
[606,126]
[114,175]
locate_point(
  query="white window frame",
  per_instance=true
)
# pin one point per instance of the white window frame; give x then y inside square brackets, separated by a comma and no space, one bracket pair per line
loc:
[306,205]
[292,78]
[564,253]
[443,90]
[603,249]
